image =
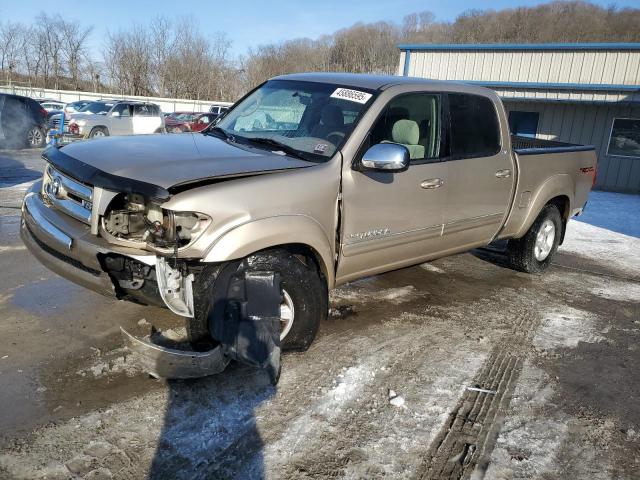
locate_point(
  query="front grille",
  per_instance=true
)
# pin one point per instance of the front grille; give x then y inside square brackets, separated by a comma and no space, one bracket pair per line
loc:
[55,123]
[67,195]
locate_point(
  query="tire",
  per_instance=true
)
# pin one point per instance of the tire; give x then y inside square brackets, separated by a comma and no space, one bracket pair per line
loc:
[97,132]
[533,252]
[303,289]
[36,138]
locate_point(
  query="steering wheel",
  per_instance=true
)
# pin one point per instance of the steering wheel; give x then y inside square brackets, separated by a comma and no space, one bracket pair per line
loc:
[338,134]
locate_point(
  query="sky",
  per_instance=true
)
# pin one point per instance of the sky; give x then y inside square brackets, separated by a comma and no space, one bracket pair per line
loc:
[249,23]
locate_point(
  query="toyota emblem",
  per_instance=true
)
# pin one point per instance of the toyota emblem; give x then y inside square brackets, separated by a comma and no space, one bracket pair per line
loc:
[55,186]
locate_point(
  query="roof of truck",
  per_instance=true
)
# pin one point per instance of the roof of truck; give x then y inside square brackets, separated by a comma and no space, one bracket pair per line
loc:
[359,80]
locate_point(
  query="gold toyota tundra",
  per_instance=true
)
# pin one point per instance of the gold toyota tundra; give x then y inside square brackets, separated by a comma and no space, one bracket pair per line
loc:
[313,179]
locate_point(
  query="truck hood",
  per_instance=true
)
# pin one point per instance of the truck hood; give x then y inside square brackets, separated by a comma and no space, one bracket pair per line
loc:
[164,161]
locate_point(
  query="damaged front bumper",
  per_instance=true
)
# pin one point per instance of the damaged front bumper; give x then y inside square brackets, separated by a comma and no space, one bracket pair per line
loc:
[67,247]
[164,362]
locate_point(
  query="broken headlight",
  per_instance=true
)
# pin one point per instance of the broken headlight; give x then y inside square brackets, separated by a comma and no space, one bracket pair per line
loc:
[132,221]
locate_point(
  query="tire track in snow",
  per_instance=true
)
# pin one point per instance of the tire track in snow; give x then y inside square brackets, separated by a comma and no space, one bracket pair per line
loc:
[465,443]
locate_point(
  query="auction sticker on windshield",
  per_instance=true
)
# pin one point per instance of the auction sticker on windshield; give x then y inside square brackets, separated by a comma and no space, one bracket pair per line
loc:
[351,95]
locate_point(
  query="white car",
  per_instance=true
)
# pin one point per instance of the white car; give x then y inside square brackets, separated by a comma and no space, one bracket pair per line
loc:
[101,119]
[51,105]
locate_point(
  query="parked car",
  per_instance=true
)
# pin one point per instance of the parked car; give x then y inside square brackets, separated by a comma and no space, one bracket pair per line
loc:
[101,119]
[23,122]
[188,122]
[218,109]
[92,108]
[50,105]
[235,228]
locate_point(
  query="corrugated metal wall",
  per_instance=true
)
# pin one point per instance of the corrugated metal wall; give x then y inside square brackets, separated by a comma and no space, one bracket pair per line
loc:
[584,67]
[588,124]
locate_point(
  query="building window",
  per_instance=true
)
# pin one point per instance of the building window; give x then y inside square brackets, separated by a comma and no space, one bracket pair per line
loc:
[524,124]
[625,137]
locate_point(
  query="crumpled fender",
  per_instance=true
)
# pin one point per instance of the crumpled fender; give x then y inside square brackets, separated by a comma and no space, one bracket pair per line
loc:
[256,235]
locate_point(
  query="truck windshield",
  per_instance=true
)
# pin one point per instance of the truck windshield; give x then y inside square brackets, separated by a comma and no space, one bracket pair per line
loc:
[309,118]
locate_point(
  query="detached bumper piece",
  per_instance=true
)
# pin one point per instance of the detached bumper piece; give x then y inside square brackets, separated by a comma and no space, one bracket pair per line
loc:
[251,335]
[163,362]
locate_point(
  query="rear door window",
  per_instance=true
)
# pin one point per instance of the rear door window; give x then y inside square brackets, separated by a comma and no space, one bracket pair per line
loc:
[145,111]
[473,126]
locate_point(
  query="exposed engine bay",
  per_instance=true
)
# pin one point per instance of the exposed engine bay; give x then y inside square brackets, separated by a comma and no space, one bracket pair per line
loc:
[134,222]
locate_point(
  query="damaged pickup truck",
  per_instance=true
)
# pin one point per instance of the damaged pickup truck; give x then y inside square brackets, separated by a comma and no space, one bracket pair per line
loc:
[308,182]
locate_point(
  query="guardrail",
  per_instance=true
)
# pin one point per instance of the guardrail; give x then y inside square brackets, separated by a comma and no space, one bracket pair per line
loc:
[67,96]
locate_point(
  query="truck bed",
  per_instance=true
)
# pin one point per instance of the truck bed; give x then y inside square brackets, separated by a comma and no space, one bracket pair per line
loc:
[546,169]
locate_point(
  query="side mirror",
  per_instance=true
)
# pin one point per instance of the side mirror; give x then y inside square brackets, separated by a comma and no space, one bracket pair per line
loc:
[115,114]
[386,157]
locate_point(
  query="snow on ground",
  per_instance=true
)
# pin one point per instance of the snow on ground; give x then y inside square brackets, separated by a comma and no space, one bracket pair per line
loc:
[539,442]
[565,327]
[613,211]
[603,246]
[359,292]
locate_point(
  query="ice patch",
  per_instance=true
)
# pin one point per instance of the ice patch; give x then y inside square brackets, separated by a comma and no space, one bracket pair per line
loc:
[566,328]
[619,291]
[354,293]
[603,246]
[11,248]
[431,268]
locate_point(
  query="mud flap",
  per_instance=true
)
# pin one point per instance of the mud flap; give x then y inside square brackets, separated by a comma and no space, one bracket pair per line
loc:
[251,331]
[250,334]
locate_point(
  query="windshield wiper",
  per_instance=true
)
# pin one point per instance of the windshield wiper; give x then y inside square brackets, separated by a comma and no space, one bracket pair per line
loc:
[279,145]
[221,133]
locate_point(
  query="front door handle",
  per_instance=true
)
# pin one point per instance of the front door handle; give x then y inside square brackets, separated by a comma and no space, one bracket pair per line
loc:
[432,183]
[506,173]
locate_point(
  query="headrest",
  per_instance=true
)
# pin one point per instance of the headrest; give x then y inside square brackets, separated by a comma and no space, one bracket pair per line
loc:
[406,132]
[332,116]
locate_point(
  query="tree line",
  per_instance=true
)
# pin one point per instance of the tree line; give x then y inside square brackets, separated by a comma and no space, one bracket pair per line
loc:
[174,58]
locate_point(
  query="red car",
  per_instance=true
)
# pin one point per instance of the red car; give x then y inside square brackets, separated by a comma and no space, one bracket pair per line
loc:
[179,122]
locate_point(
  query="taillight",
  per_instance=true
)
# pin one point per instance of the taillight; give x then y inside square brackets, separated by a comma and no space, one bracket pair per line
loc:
[43,112]
[595,175]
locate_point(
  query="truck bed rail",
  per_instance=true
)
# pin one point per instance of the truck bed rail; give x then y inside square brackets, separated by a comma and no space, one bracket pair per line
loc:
[536,146]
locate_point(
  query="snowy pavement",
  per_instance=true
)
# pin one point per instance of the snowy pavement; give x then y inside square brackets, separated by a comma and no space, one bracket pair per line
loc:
[494,373]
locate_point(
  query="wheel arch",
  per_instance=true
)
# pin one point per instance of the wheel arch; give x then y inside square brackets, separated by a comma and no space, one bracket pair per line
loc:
[95,127]
[299,234]
[557,190]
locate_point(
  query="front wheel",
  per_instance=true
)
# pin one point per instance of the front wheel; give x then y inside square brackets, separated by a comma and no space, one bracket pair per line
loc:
[98,132]
[533,252]
[305,301]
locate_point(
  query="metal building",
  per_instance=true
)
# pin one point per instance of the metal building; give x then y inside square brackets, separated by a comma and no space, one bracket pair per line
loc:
[586,93]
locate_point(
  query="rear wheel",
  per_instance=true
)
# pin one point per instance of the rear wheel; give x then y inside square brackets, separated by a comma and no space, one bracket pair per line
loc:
[533,252]
[98,132]
[35,137]
[304,305]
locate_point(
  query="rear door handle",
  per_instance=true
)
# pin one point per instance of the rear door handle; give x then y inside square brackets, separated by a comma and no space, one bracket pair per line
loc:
[432,183]
[506,173]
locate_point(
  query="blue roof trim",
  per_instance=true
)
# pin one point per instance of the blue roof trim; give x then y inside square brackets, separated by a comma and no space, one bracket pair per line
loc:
[520,46]
[599,87]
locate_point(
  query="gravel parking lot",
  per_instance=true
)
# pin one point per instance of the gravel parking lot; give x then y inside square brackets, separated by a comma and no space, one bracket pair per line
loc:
[459,368]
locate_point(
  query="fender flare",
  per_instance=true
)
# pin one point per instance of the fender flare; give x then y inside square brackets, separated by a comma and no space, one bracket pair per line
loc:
[256,235]
[555,186]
